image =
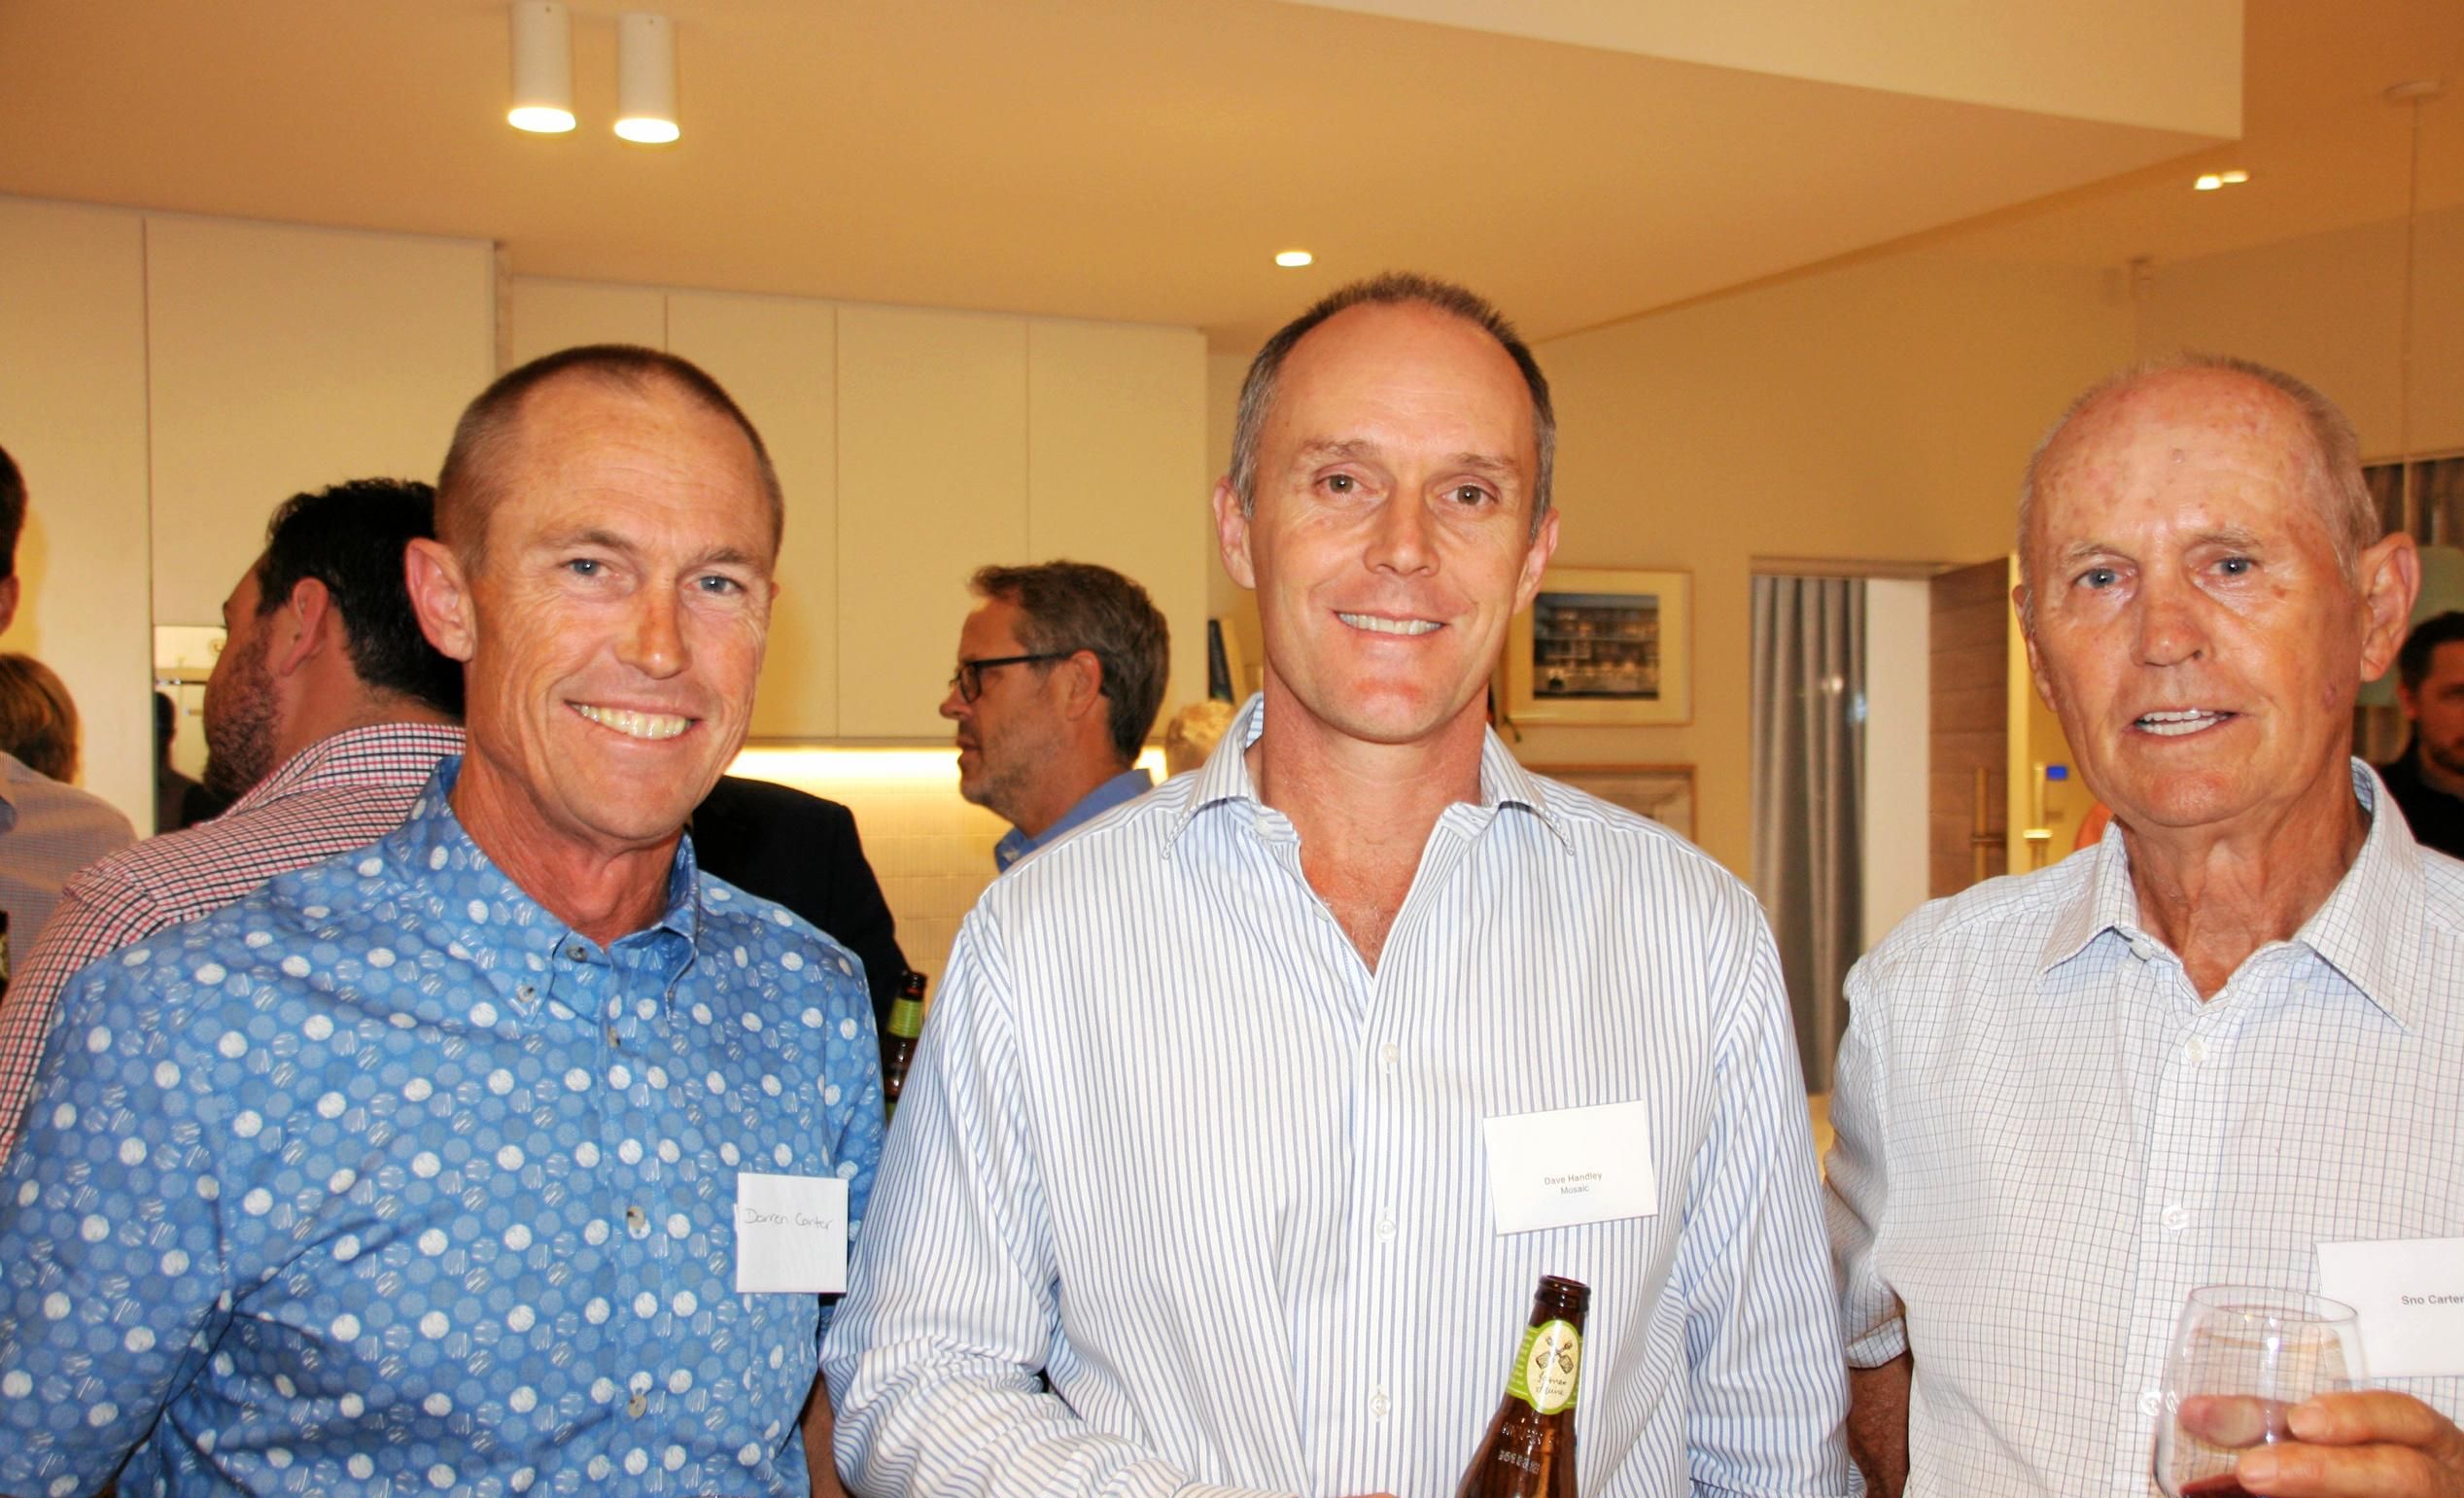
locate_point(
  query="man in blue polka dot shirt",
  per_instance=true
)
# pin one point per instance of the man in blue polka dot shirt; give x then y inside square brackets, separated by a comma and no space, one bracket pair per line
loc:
[508,1154]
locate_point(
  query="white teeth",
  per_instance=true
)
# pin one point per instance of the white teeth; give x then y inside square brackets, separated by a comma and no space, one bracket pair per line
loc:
[635,725]
[1377,626]
[2185,720]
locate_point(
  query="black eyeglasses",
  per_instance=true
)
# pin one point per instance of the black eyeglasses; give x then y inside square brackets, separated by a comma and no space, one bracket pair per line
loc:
[970,677]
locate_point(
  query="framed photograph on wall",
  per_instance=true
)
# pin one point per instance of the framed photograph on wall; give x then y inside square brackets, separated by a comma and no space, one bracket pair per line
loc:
[1603,646]
[1665,793]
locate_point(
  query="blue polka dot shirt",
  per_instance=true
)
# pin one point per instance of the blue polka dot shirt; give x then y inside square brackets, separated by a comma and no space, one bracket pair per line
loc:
[386,1181]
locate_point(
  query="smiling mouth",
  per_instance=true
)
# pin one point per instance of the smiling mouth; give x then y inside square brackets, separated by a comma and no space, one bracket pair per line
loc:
[2179,723]
[1375,625]
[633,724]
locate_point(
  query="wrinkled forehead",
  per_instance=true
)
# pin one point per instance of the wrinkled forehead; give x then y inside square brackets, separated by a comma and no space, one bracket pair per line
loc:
[2204,448]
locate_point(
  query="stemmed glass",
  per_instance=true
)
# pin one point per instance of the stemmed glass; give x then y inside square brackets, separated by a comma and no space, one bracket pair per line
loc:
[2243,1357]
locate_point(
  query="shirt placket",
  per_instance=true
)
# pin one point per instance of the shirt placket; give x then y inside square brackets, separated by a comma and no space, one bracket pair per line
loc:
[636,1178]
[2177,1190]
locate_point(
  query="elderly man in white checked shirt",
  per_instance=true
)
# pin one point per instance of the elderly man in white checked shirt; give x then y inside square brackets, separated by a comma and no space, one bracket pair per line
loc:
[2224,1046]
[1248,1112]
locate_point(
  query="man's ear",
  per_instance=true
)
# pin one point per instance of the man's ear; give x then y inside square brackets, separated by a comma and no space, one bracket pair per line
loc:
[306,625]
[440,595]
[2390,574]
[1231,534]
[1083,674]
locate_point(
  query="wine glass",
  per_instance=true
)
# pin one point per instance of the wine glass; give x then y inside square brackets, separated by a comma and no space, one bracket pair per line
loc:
[2247,1356]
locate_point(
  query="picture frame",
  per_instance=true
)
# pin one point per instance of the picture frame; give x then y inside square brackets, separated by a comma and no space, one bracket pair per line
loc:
[1607,647]
[1665,793]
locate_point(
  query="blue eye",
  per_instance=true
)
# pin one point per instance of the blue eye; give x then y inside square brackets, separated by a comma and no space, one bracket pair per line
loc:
[711,582]
[2099,577]
[2234,567]
[586,567]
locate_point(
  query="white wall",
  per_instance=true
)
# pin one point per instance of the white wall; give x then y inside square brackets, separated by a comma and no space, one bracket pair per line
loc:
[1899,651]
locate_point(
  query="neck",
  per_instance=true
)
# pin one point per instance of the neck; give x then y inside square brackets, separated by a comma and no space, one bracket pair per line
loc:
[603,891]
[1060,791]
[2215,897]
[319,716]
[1364,810]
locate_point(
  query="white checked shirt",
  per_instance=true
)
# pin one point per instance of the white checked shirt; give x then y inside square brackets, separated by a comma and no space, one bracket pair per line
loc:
[2046,1141]
[1172,1142]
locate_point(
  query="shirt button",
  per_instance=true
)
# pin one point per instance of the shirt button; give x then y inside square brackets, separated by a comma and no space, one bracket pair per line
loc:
[577,951]
[1387,1055]
[635,1223]
[613,1037]
[2175,1218]
[2142,949]
[1386,1230]
[2195,1051]
[1379,1405]
[635,1405]
[2151,1402]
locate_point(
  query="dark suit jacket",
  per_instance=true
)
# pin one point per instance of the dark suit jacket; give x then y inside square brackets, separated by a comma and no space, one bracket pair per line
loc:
[803,852]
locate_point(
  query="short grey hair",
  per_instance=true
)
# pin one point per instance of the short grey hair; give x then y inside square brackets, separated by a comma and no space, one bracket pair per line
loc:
[1393,289]
[2351,516]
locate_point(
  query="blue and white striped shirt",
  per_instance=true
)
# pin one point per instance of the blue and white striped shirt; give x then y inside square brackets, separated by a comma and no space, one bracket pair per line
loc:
[1169,1141]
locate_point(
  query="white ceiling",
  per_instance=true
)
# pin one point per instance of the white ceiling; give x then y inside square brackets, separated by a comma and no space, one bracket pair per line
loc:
[1143,159]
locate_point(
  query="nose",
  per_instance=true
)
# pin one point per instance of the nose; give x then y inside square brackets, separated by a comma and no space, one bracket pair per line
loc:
[1402,541]
[2170,630]
[654,644]
[953,706]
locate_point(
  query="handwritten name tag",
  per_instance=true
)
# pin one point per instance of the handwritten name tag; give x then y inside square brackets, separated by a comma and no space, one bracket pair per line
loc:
[2410,1295]
[790,1234]
[1571,1165]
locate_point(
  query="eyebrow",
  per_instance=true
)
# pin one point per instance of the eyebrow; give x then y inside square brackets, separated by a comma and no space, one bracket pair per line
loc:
[1357,447]
[2232,537]
[610,540]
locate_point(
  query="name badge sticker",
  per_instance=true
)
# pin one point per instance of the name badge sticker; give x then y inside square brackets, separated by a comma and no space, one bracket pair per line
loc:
[790,1234]
[1571,1165]
[2410,1297]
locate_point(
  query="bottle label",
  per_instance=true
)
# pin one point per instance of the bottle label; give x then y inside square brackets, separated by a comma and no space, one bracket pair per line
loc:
[906,1018]
[1548,1367]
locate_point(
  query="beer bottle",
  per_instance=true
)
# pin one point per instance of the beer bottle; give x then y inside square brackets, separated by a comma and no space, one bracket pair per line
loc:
[4,954]
[898,1041]
[1529,1451]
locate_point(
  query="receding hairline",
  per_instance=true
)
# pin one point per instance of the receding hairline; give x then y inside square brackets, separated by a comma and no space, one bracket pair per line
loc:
[2329,449]
[487,441]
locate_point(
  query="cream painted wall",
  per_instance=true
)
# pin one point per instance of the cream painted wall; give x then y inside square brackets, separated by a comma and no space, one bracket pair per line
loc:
[2329,308]
[1879,411]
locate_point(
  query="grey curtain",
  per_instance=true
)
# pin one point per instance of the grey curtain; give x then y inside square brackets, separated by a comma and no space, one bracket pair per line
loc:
[1809,774]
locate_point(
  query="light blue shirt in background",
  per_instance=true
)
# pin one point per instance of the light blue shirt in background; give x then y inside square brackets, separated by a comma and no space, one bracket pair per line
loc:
[1128,786]
[1171,1141]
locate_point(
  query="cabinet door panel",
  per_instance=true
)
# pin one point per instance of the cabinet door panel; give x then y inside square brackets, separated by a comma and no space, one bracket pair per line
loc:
[1115,468]
[777,356]
[284,359]
[551,315]
[932,484]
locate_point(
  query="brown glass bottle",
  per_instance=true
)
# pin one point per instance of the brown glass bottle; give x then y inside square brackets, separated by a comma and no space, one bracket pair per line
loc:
[1529,1451]
[898,1039]
[4,954]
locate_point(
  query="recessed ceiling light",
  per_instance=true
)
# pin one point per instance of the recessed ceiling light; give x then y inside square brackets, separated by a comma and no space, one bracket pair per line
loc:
[2208,182]
[2233,176]
[1292,258]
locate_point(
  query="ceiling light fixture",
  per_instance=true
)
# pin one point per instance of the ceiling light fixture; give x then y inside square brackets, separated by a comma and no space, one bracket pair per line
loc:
[542,68]
[2233,176]
[1291,260]
[2208,182]
[645,79]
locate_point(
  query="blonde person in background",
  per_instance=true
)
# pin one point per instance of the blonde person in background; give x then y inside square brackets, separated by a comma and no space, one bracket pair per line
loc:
[48,828]
[1193,735]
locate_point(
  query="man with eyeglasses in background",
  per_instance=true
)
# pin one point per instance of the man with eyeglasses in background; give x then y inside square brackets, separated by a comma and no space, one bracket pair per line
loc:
[1061,671]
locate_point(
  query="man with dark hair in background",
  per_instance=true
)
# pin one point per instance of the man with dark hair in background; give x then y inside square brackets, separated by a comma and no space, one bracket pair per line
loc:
[326,713]
[2427,779]
[1061,672]
[12,526]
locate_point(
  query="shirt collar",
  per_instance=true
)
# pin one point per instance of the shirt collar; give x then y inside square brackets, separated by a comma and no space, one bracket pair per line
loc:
[1128,786]
[356,752]
[499,925]
[1225,777]
[2369,929]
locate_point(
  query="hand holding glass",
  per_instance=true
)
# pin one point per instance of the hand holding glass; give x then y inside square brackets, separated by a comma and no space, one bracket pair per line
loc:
[2241,1358]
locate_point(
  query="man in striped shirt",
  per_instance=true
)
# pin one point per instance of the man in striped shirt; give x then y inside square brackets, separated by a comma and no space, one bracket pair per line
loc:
[1251,1113]
[2223,1046]
[326,713]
